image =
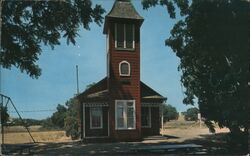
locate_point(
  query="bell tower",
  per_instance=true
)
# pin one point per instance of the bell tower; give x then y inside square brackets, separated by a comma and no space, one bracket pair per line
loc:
[122,30]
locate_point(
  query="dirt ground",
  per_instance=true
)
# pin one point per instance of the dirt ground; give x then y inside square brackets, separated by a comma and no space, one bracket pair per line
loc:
[174,133]
[170,136]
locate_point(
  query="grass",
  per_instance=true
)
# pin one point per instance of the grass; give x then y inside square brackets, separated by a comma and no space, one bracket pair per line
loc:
[18,134]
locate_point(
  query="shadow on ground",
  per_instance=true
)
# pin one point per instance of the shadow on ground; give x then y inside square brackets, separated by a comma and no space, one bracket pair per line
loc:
[213,144]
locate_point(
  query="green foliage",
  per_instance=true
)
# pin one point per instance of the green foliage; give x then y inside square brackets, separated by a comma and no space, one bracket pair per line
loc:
[191,114]
[28,24]
[27,122]
[170,113]
[71,120]
[4,114]
[48,124]
[58,117]
[212,42]
[169,4]
[90,85]
[212,45]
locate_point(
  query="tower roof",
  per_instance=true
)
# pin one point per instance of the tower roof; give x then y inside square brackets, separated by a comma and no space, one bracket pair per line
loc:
[122,9]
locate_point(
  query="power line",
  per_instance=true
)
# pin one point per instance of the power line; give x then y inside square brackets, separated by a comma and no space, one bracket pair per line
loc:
[34,111]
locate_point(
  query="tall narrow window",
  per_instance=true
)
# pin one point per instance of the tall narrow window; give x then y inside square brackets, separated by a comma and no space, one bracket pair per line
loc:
[129,36]
[120,36]
[95,117]
[125,114]
[124,68]
[124,36]
[146,117]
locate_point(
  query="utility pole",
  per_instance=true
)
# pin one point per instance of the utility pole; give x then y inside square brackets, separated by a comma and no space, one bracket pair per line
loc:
[77,81]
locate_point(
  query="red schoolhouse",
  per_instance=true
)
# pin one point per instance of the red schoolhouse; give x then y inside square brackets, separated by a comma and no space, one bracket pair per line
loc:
[120,107]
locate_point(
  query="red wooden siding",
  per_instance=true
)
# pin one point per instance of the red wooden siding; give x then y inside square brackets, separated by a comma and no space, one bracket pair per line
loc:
[127,87]
[96,132]
[155,123]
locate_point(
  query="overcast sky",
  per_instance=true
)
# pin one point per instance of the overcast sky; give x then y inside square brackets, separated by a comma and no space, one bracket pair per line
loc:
[58,80]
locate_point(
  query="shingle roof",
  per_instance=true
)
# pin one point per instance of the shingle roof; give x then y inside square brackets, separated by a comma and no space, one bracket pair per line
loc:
[122,9]
[99,91]
[149,93]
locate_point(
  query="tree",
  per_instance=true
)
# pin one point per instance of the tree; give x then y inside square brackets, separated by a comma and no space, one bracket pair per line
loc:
[71,120]
[212,44]
[170,113]
[90,85]
[28,24]
[59,116]
[47,124]
[191,114]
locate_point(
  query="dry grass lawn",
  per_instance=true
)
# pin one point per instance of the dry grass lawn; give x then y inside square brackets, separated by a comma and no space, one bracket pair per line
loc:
[23,137]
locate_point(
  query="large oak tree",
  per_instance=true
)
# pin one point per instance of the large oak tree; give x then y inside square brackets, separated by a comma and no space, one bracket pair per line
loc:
[26,25]
[212,41]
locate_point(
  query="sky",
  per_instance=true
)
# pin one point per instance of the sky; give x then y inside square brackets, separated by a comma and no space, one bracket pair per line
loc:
[38,98]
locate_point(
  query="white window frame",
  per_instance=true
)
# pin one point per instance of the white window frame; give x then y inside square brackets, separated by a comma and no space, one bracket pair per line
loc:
[120,72]
[149,113]
[90,113]
[124,115]
[124,31]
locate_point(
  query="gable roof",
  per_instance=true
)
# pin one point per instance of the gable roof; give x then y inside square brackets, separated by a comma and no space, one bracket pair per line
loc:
[99,91]
[122,9]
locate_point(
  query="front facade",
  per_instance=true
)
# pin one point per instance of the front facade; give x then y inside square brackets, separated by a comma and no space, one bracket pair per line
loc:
[121,107]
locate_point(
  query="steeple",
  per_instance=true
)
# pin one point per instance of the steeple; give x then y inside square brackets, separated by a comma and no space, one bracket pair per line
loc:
[122,9]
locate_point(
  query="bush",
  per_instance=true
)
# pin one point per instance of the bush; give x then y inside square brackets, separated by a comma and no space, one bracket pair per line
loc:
[191,114]
[71,121]
[170,113]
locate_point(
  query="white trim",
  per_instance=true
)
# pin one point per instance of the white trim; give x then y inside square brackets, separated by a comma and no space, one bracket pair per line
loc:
[115,35]
[150,104]
[125,114]
[149,113]
[124,36]
[96,104]
[90,114]
[128,68]
[133,29]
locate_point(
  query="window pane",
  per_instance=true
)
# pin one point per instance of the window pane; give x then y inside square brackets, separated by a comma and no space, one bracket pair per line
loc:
[130,116]
[129,36]
[120,35]
[96,117]
[130,104]
[120,116]
[124,68]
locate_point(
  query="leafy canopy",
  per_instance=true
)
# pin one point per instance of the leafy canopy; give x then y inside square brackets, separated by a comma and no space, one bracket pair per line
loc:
[212,43]
[59,116]
[28,24]
[170,113]
[191,114]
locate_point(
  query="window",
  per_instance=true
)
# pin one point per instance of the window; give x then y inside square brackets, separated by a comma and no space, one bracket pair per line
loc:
[124,36]
[125,114]
[95,117]
[146,117]
[124,68]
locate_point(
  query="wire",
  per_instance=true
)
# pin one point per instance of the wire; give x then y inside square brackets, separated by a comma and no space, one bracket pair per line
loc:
[34,111]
